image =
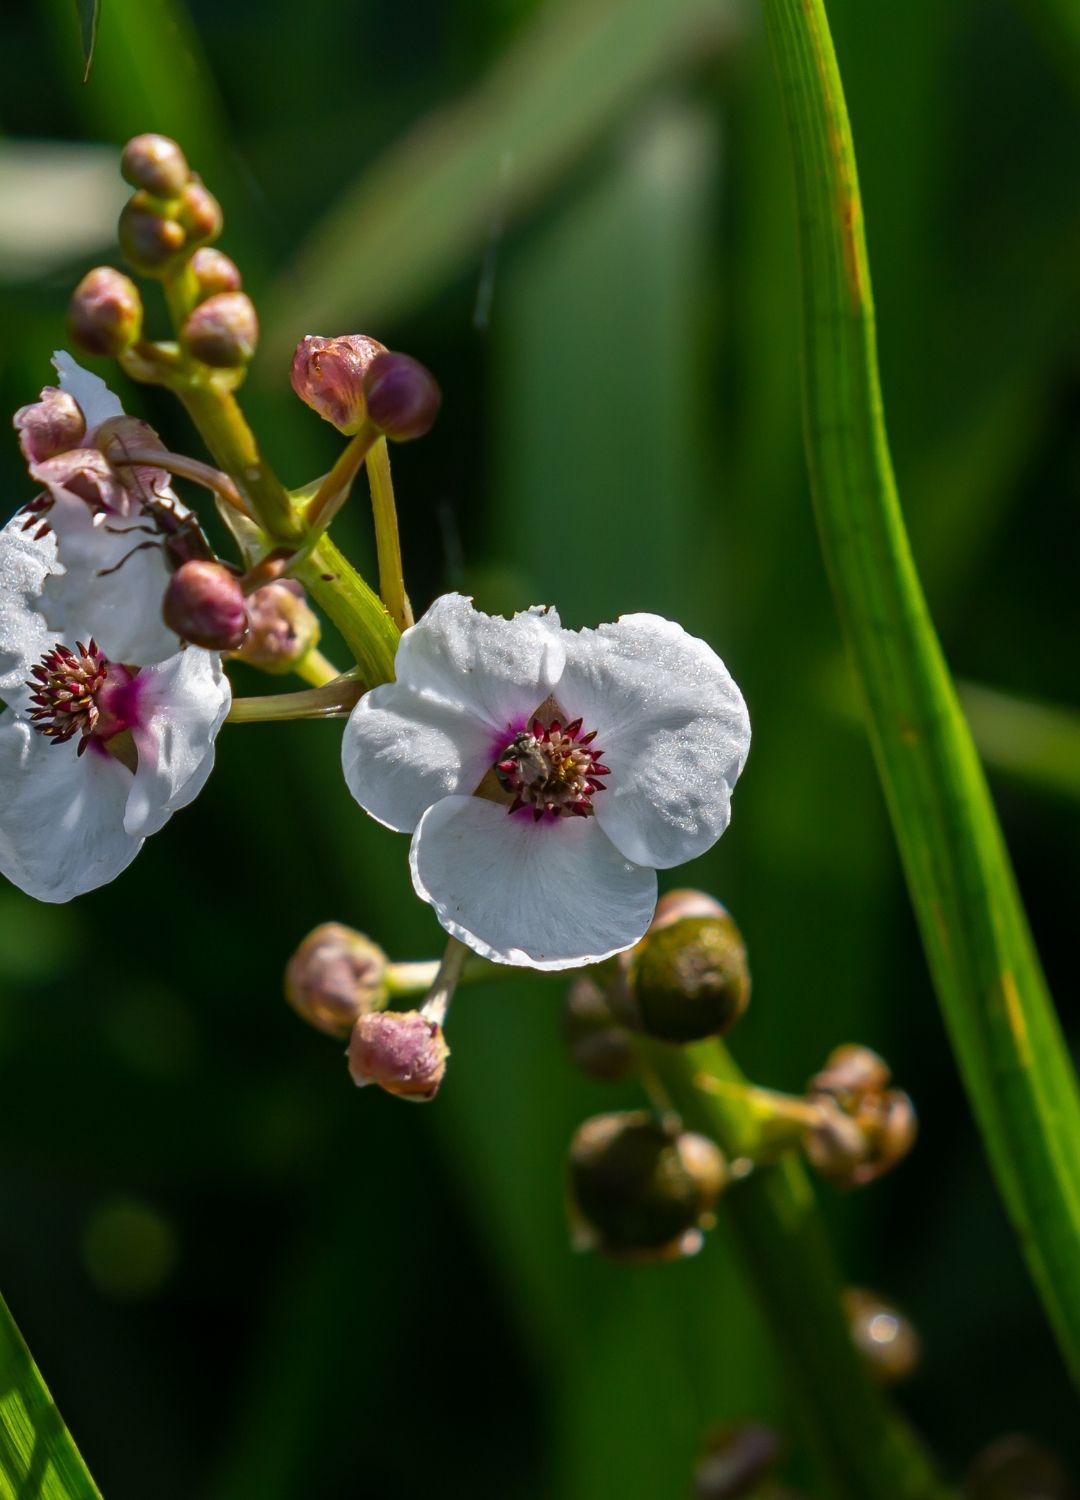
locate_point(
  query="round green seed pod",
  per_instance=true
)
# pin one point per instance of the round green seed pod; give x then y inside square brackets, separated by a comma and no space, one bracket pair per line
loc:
[685,981]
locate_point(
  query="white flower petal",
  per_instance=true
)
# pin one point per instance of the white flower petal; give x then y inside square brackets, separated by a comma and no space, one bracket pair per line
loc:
[111,586]
[61,814]
[25,564]
[182,705]
[96,402]
[402,751]
[543,895]
[673,728]
[495,670]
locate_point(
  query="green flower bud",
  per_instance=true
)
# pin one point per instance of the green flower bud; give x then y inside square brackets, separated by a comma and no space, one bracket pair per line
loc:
[156,164]
[200,213]
[334,977]
[643,1191]
[105,315]
[687,979]
[149,242]
[884,1337]
[214,273]
[404,1052]
[282,627]
[597,1044]
[222,331]
[673,906]
[739,1458]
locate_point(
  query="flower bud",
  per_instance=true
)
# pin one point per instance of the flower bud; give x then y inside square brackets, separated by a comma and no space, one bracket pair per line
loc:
[863,1128]
[54,424]
[596,1042]
[402,397]
[884,1337]
[222,331]
[155,163]
[149,241]
[282,627]
[205,605]
[643,1191]
[200,213]
[1016,1468]
[105,314]
[215,273]
[675,905]
[334,977]
[686,980]
[404,1052]
[739,1458]
[850,1072]
[328,374]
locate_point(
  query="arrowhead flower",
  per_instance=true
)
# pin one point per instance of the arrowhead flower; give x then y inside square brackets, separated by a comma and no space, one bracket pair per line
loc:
[109,726]
[546,774]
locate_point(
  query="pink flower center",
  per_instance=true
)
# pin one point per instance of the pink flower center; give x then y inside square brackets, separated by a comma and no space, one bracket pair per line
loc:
[552,768]
[81,692]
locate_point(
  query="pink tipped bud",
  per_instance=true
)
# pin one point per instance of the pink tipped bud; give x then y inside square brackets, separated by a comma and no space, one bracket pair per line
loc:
[402,397]
[200,213]
[334,977]
[149,241]
[105,314]
[214,273]
[205,605]
[328,374]
[155,163]
[282,627]
[402,1051]
[50,426]
[676,905]
[222,331]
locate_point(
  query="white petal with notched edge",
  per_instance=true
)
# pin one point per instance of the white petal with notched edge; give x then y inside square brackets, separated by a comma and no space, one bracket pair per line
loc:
[182,705]
[547,896]
[96,402]
[674,730]
[61,814]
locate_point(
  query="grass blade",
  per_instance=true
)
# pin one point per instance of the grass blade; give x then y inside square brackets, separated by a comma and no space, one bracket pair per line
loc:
[38,1458]
[985,967]
[89,15]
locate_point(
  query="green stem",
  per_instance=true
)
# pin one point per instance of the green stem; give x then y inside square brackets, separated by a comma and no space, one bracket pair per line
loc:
[334,490]
[335,584]
[387,539]
[331,701]
[864,1447]
[38,1456]
[984,964]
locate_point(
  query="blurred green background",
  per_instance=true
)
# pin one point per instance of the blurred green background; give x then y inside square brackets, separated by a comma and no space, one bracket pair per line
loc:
[242,1278]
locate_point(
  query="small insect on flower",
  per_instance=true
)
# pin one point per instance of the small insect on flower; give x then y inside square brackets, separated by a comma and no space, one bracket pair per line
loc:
[546,774]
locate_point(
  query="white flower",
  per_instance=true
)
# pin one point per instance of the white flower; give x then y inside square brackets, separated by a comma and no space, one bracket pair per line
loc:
[546,774]
[109,725]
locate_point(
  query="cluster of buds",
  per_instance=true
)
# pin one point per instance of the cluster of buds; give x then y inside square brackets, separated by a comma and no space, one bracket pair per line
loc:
[340,982]
[642,1190]
[271,627]
[165,234]
[863,1127]
[355,381]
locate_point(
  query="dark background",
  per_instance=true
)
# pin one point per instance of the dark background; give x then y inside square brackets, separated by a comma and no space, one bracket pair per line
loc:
[241,1277]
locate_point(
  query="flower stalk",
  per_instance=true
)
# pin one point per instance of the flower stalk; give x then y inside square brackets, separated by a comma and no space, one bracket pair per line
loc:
[387,539]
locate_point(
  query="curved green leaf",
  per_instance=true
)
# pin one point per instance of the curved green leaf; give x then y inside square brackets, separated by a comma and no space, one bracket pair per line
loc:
[38,1458]
[984,964]
[89,15]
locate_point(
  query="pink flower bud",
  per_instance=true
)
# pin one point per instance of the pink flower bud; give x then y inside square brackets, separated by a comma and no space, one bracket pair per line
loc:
[200,213]
[282,627]
[328,374]
[402,1051]
[402,397]
[222,331]
[215,273]
[105,314]
[675,905]
[205,605]
[155,163]
[149,241]
[334,977]
[49,426]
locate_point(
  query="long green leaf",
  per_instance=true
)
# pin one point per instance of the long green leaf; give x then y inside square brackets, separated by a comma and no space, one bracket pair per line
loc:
[451,185]
[89,15]
[985,968]
[38,1458]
